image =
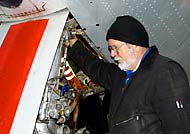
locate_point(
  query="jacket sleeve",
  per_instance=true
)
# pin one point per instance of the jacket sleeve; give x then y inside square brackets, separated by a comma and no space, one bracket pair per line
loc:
[172,99]
[99,71]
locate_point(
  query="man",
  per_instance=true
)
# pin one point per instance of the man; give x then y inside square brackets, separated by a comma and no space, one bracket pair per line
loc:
[150,92]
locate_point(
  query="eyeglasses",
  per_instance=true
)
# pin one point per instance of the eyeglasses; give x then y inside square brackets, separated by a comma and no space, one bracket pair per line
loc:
[115,48]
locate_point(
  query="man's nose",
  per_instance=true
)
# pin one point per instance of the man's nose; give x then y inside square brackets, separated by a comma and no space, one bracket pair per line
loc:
[113,53]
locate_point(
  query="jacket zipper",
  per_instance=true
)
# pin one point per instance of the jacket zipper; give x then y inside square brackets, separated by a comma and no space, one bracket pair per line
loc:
[129,119]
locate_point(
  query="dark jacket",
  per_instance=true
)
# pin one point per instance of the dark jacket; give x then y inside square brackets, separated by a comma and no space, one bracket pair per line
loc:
[156,99]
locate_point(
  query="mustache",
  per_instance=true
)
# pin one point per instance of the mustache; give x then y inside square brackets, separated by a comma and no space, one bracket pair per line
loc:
[116,59]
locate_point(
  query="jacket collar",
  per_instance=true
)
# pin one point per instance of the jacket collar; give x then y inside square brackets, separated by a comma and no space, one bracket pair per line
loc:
[148,60]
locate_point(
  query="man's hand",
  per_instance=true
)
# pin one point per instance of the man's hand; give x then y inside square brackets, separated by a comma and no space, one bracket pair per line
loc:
[70,38]
[72,41]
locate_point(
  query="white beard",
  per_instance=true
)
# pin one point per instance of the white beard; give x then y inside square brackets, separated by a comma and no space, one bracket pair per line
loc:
[124,65]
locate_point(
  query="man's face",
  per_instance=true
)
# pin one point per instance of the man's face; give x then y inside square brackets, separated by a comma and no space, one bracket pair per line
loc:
[122,53]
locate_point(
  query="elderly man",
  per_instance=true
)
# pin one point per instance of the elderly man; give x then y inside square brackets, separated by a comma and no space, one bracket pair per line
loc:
[150,92]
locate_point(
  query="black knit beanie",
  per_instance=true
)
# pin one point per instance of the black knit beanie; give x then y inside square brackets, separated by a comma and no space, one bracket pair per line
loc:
[129,30]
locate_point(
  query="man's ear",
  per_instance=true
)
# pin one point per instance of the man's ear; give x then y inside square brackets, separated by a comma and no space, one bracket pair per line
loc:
[131,46]
[137,48]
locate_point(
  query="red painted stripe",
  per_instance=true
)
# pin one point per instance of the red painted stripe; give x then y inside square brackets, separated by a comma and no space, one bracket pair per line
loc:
[67,68]
[69,74]
[16,56]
